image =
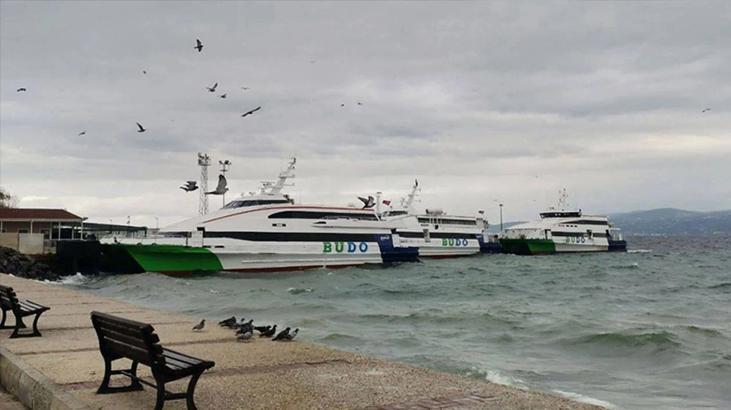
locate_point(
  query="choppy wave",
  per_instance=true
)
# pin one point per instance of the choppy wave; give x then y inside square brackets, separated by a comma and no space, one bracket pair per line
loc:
[605,326]
[585,399]
[660,340]
[297,291]
[76,279]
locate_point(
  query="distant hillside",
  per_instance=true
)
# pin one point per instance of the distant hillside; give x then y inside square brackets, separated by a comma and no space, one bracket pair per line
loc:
[663,221]
[672,221]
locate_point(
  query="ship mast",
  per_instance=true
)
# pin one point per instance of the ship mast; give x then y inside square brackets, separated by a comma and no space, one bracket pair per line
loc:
[408,202]
[563,199]
[204,161]
[271,188]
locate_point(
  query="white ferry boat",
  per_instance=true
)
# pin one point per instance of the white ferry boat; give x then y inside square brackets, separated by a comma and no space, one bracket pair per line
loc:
[266,231]
[561,230]
[435,233]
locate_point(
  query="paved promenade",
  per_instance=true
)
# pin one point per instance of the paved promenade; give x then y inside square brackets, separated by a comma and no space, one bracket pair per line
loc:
[259,374]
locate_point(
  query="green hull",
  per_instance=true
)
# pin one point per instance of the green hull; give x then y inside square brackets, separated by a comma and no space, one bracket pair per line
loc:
[160,258]
[528,246]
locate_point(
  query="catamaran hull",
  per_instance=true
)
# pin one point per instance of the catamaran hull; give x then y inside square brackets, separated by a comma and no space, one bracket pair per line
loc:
[547,247]
[251,256]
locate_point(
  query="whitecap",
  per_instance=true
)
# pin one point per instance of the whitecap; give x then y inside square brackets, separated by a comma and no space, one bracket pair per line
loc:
[585,399]
[639,250]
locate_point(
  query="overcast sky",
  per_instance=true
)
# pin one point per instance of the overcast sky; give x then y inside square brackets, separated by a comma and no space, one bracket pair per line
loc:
[482,102]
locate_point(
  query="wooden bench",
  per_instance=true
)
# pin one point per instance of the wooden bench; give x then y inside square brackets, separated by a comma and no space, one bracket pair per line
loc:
[20,308]
[123,338]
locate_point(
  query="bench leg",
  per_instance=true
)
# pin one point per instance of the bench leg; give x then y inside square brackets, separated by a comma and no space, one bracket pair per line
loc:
[191,391]
[108,372]
[2,321]
[20,325]
[160,396]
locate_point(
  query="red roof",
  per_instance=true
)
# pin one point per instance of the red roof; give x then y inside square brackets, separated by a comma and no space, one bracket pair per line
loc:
[27,214]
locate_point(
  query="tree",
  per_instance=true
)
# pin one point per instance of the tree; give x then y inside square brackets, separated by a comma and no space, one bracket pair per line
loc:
[7,200]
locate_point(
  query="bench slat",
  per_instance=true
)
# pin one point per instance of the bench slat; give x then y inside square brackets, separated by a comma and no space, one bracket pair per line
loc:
[137,341]
[189,360]
[124,350]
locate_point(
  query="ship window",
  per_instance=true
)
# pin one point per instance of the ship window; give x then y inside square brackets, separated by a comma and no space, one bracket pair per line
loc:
[322,215]
[254,202]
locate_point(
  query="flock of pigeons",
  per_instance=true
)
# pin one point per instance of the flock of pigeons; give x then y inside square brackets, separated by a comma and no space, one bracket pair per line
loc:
[245,330]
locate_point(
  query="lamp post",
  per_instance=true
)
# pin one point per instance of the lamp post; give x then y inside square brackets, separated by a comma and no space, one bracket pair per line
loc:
[501,218]
[225,165]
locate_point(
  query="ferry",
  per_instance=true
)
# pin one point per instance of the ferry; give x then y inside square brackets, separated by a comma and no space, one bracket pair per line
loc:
[563,231]
[265,231]
[434,233]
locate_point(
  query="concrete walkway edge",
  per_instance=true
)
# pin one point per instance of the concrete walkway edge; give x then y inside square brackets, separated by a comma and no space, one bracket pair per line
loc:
[31,387]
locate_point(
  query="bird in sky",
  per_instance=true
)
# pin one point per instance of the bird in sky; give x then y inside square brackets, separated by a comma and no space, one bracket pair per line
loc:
[141,128]
[198,45]
[82,133]
[212,89]
[360,103]
[245,88]
[222,96]
[221,188]
[707,109]
[342,105]
[144,71]
[251,112]
[191,186]
[200,326]
[21,89]
[367,202]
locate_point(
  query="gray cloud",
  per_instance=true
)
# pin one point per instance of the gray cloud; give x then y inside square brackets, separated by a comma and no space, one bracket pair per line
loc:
[483,102]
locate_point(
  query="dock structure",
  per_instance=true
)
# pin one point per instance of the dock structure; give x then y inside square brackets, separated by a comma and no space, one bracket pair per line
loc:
[63,368]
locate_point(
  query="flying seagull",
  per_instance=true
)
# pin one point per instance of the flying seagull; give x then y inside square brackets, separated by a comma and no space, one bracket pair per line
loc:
[270,332]
[360,103]
[200,326]
[21,89]
[191,186]
[245,88]
[212,89]
[367,202]
[144,71]
[82,133]
[141,128]
[707,109]
[221,188]
[282,335]
[198,45]
[251,112]
[342,105]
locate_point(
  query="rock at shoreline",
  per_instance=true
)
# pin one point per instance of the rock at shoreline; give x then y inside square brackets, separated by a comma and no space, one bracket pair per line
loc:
[18,264]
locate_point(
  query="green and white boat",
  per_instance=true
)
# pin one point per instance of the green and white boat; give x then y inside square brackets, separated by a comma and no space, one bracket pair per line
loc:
[563,231]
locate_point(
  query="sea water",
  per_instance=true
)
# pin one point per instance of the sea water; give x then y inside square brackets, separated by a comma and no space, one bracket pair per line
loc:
[650,328]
